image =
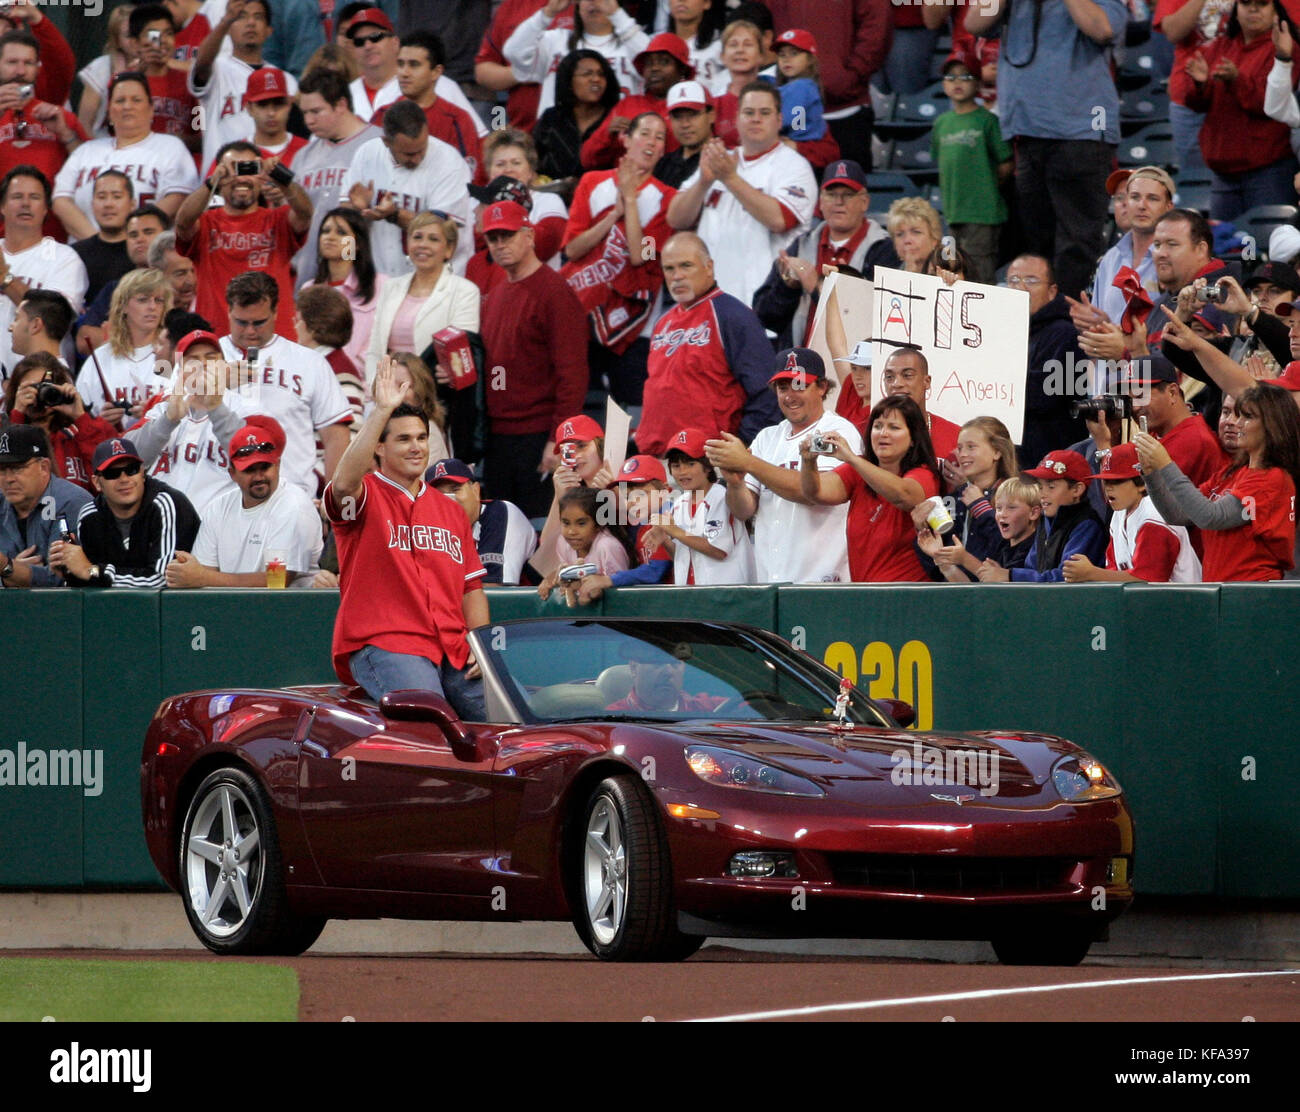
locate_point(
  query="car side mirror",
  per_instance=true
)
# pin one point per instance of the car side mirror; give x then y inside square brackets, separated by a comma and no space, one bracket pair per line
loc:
[902,713]
[415,705]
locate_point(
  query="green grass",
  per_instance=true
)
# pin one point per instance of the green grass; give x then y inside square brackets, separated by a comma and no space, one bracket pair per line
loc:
[168,991]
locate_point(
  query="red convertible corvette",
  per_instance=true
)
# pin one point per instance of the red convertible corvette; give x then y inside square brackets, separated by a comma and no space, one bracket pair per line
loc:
[656,781]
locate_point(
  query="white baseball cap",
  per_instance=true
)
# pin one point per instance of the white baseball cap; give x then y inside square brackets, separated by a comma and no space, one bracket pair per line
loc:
[687,94]
[860,356]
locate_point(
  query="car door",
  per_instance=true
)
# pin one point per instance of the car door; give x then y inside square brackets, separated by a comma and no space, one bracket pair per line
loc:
[387,805]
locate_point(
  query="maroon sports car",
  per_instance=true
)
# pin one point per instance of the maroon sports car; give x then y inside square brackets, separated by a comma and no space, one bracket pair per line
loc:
[656,781]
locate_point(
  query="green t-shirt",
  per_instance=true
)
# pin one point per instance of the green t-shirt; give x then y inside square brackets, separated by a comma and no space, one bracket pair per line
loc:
[968,148]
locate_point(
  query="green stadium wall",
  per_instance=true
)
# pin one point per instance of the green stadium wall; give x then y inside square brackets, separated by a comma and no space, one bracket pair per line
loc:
[1183,692]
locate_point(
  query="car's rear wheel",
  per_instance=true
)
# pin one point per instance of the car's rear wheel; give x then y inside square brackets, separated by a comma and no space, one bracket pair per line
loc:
[1066,944]
[623,882]
[231,873]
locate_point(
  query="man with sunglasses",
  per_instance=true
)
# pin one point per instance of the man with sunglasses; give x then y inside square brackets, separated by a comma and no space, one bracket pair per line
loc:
[129,534]
[35,500]
[261,516]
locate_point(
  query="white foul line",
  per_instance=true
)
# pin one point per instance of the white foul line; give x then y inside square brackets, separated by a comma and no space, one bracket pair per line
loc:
[981,994]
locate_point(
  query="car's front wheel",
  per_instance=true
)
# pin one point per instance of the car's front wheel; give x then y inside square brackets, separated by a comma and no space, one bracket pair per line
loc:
[233,883]
[1065,944]
[623,879]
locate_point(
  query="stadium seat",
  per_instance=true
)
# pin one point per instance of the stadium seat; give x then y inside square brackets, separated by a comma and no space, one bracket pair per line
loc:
[913,157]
[1193,195]
[1142,107]
[882,104]
[1260,221]
[886,186]
[1152,146]
[1139,69]
[879,152]
[913,114]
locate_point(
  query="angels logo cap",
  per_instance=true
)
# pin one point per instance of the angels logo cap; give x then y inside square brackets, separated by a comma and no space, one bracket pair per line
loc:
[505,216]
[370,15]
[798,364]
[1121,462]
[449,471]
[267,83]
[581,428]
[799,39]
[110,451]
[689,442]
[261,440]
[844,171]
[19,443]
[199,335]
[1063,465]
[642,469]
[687,94]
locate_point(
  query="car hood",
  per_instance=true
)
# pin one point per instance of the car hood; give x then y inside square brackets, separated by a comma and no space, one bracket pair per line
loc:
[1019,764]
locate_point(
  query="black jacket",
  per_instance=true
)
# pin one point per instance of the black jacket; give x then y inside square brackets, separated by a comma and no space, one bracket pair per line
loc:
[165,523]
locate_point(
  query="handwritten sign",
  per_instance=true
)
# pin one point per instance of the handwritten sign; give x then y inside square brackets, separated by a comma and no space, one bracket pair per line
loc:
[975,338]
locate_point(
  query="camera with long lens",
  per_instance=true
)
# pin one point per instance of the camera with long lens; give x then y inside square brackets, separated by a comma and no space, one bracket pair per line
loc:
[1103,406]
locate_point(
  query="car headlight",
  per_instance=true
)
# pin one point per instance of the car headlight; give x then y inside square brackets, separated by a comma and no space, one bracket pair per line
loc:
[1080,778]
[729,769]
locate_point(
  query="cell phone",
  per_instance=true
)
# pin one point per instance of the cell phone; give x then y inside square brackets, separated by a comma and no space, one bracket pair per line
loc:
[1142,423]
[154,37]
[26,92]
[574,572]
[248,168]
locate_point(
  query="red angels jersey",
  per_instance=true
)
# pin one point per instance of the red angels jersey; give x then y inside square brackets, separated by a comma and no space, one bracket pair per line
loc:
[190,37]
[1263,547]
[173,104]
[405,563]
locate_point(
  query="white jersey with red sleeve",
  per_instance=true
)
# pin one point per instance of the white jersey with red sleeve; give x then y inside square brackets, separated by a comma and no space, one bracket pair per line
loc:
[194,460]
[743,249]
[1143,544]
[299,389]
[406,561]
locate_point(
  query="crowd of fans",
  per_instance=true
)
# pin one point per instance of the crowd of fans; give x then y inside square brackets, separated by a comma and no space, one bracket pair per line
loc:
[249,211]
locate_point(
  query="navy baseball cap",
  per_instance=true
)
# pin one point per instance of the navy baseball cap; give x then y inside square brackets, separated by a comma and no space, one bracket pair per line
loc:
[19,443]
[797,364]
[110,451]
[449,470]
[844,171]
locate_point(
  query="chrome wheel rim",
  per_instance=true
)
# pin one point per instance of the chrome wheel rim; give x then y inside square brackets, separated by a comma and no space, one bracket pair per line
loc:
[223,861]
[605,872]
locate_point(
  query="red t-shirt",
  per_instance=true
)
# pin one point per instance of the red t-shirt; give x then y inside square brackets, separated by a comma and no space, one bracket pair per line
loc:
[453,125]
[190,37]
[882,537]
[1195,449]
[405,564]
[1258,549]
[943,436]
[173,105]
[523,100]
[226,245]
[849,406]
[40,148]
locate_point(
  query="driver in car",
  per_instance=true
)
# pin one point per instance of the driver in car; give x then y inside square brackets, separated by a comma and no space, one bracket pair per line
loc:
[657,686]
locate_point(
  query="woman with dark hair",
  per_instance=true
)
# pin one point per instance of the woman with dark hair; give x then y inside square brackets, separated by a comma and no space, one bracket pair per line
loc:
[344,261]
[1246,513]
[882,487]
[159,165]
[1248,153]
[698,23]
[586,88]
[598,25]
[74,434]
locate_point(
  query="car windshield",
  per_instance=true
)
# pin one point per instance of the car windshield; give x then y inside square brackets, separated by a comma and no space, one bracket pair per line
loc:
[609,670]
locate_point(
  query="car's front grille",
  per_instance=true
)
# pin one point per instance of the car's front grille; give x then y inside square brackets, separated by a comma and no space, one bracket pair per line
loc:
[917,873]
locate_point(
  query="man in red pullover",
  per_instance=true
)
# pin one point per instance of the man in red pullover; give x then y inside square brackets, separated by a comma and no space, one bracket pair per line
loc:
[58,65]
[535,333]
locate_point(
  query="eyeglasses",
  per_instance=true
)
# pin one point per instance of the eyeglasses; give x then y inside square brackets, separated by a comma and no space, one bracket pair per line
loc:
[131,469]
[1028,283]
[254,449]
[965,76]
[369,40]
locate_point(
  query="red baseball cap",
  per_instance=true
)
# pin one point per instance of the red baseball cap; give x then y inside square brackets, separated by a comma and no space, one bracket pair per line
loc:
[642,469]
[690,442]
[1116,180]
[1289,379]
[965,58]
[1063,464]
[198,336]
[261,440]
[799,39]
[505,216]
[267,83]
[1121,462]
[369,15]
[666,43]
[581,428]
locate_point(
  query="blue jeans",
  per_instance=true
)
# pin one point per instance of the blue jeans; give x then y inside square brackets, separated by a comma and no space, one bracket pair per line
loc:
[380,672]
[907,67]
[1186,125]
[1233,194]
